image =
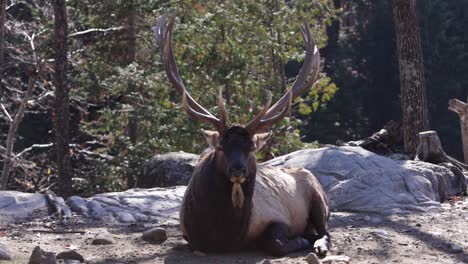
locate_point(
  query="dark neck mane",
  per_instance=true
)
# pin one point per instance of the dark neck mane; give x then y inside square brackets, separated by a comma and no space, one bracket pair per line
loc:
[211,221]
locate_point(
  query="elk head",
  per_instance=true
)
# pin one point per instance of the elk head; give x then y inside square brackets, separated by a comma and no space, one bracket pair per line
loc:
[235,145]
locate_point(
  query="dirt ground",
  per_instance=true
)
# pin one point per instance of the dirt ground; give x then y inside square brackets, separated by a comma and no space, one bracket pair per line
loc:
[365,238]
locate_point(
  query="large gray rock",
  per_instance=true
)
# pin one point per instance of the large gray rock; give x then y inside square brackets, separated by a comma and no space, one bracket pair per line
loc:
[354,179]
[359,180]
[168,169]
[18,206]
[156,205]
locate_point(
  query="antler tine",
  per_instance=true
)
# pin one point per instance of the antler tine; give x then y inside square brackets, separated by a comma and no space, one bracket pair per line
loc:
[283,105]
[194,114]
[164,38]
[258,122]
[222,110]
[257,119]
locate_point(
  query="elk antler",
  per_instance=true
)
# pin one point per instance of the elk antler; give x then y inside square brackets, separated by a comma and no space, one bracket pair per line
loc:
[164,39]
[268,117]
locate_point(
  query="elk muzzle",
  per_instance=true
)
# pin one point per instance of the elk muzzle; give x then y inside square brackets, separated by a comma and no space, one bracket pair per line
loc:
[237,194]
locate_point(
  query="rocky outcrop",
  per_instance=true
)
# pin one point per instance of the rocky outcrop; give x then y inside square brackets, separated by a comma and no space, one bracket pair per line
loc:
[17,206]
[156,205]
[170,169]
[354,179]
[359,180]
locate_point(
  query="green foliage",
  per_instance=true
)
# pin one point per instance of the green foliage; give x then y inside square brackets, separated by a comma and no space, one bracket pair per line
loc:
[241,47]
[244,48]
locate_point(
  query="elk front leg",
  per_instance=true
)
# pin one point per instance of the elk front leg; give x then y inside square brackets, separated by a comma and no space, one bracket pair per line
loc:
[276,242]
[316,231]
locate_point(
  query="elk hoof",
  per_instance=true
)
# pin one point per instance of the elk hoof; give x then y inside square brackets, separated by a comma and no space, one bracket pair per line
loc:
[321,247]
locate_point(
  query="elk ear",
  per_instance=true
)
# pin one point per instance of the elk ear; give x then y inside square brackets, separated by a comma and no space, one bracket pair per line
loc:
[211,137]
[260,140]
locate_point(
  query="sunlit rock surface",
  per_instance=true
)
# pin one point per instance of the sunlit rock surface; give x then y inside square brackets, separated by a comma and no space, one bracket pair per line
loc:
[359,180]
[156,205]
[17,205]
[354,179]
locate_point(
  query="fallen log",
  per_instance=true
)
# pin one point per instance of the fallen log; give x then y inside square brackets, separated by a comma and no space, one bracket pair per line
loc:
[383,142]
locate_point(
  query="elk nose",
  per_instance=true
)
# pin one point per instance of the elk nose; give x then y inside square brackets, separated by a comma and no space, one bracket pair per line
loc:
[237,170]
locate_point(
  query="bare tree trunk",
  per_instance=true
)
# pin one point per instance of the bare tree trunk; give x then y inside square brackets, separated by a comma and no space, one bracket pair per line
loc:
[280,62]
[2,42]
[62,107]
[131,57]
[12,131]
[413,91]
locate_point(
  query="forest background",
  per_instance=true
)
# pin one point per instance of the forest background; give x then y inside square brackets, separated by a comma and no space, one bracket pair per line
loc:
[123,110]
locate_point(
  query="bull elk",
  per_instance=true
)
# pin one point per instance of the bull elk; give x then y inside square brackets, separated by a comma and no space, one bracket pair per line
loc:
[231,201]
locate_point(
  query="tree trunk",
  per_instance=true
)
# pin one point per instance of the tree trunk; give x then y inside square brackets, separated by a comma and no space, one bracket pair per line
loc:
[2,42]
[62,108]
[10,141]
[412,86]
[133,131]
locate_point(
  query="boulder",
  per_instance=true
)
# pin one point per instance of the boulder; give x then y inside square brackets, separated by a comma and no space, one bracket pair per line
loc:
[103,238]
[18,206]
[134,205]
[77,204]
[359,180]
[39,256]
[156,235]
[71,255]
[353,178]
[170,169]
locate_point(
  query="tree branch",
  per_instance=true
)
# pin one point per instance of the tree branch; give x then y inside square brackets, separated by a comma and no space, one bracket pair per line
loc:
[32,147]
[13,127]
[6,113]
[91,30]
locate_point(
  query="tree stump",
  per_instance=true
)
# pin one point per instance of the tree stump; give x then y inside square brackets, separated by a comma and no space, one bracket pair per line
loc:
[461,109]
[429,147]
[430,150]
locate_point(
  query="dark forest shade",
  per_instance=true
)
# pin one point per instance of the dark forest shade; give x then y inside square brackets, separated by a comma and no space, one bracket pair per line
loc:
[361,58]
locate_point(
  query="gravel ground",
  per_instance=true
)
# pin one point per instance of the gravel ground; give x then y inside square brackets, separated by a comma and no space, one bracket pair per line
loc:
[434,237]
